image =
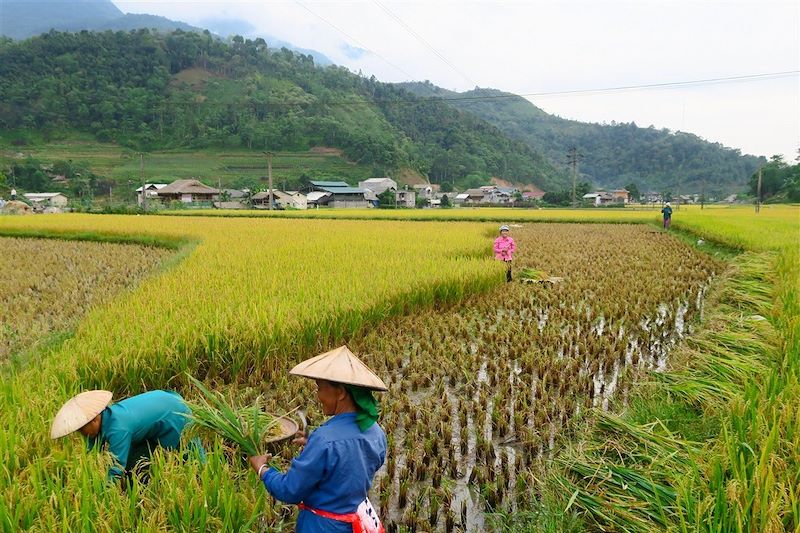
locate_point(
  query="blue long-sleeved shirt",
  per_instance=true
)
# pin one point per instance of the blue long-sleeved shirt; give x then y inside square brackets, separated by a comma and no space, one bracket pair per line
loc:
[138,424]
[333,472]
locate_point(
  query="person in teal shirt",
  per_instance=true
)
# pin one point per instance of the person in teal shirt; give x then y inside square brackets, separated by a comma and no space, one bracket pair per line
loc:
[131,428]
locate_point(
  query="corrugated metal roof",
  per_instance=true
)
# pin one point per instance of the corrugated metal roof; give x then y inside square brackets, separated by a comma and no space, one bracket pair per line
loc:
[316,195]
[343,190]
[329,183]
[43,194]
[153,186]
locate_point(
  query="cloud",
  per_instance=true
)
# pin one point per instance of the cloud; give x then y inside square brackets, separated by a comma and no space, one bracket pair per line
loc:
[353,52]
[226,27]
[542,45]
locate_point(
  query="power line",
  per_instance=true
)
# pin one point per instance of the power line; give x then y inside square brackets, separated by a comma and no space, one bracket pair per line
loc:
[748,77]
[332,25]
[368,101]
[423,41]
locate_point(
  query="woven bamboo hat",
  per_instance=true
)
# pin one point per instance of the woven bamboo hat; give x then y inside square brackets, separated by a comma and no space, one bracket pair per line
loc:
[342,366]
[79,411]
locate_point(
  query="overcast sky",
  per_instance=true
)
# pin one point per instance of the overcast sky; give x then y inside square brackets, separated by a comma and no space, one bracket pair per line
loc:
[542,47]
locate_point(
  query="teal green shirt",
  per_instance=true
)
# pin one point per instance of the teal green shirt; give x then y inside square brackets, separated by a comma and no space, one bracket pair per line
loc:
[138,424]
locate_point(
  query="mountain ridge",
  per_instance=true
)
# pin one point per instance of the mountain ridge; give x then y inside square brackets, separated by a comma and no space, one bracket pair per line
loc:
[614,155]
[24,19]
[155,91]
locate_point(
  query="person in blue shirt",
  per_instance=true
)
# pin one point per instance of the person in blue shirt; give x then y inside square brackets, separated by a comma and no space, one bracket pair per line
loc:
[131,428]
[330,478]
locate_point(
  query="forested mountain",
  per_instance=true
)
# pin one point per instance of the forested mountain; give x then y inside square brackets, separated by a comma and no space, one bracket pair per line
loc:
[613,155]
[21,19]
[156,91]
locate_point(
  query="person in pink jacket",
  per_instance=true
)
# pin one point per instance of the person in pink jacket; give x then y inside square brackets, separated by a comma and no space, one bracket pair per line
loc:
[504,248]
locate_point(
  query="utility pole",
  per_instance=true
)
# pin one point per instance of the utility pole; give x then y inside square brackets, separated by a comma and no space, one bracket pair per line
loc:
[269,177]
[141,178]
[703,196]
[758,193]
[572,159]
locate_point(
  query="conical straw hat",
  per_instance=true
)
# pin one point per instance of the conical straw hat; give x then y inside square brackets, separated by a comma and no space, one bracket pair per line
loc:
[341,366]
[79,411]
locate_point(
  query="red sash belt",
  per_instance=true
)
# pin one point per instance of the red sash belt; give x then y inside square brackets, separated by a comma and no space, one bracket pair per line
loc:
[350,518]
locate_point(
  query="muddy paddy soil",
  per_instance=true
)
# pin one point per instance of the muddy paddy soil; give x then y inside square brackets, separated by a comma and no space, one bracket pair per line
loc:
[481,391]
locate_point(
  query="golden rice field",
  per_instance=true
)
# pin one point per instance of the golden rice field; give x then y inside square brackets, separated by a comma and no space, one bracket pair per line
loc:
[252,297]
[735,226]
[47,286]
[484,376]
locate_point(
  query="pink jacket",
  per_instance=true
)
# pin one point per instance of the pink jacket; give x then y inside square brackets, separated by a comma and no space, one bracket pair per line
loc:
[504,248]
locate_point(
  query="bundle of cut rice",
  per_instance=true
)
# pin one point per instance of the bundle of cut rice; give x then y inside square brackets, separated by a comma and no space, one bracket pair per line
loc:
[248,427]
[529,275]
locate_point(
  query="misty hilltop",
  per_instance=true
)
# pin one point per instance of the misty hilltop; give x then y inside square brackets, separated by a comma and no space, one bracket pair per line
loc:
[21,19]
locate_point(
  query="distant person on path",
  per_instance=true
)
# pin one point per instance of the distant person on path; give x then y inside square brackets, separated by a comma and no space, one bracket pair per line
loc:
[132,428]
[667,212]
[504,248]
[13,194]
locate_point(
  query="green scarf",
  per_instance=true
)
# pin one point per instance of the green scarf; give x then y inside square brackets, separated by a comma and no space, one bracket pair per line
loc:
[366,406]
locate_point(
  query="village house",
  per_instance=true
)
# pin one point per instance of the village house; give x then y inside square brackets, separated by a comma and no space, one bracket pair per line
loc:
[293,200]
[47,199]
[405,198]
[343,195]
[598,198]
[152,191]
[529,196]
[487,194]
[652,197]
[471,197]
[426,190]
[621,196]
[231,199]
[378,185]
[280,200]
[315,199]
[498,195]
[261,200]
[188,191]
[233,194]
